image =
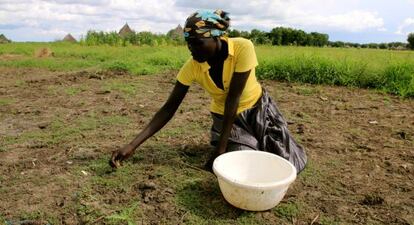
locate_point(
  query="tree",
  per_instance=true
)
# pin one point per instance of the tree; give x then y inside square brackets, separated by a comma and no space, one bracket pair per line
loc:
[259,37]
[383,45]
[319,39]
[276,36]
[410,40]
[234,33]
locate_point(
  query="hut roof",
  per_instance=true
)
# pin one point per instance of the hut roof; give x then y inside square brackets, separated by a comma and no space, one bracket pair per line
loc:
[125,30]
[3,39]
[69,38]
[177,32]
[179,28]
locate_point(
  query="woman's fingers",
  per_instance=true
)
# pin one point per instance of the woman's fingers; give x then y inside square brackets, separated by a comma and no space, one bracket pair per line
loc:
[120,155]
[116,159]
[112,161]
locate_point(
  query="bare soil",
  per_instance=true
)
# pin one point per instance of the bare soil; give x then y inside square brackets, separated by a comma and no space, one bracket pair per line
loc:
[58,130]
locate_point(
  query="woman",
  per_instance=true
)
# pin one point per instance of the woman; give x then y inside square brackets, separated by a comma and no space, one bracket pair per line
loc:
[244,115]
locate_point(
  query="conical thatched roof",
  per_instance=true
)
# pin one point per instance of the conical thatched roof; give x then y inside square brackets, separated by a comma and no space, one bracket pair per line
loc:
[179,28]
[69,38]
[125,30]
[3,39]
[176,33]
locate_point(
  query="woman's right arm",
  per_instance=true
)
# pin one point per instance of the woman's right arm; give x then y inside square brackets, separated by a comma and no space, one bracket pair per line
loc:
[164,114]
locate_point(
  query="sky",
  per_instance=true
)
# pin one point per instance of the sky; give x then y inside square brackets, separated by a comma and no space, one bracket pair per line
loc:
[361,21]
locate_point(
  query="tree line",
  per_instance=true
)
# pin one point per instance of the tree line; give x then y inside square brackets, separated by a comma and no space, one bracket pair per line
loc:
[297,37]
[277,36]
[283,36]
[133,38]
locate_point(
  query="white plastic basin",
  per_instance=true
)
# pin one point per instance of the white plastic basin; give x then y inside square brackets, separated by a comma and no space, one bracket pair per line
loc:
[253,180]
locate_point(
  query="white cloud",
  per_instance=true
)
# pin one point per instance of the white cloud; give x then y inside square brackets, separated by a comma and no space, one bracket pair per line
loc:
[353,21]
[304,13]
[78,16]
[406,27]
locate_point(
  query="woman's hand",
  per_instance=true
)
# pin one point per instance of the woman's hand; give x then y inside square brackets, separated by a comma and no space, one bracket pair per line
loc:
[120,155]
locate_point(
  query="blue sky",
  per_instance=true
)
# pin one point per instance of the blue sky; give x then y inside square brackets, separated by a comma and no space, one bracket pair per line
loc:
[360,21]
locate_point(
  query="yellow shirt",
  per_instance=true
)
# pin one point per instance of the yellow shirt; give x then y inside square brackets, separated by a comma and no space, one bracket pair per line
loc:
[241,58]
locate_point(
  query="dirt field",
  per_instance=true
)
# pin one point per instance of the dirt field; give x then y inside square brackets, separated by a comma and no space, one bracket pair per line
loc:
[58,129]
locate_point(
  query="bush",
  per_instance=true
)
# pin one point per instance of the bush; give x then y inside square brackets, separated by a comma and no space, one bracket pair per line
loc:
[399,79]
[410,40]
[118,67]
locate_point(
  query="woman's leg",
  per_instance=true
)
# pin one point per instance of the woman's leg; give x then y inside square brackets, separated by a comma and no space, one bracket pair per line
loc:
[231,147]
[240,138]
[273,133]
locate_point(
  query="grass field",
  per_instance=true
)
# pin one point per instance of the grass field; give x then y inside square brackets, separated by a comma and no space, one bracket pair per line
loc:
[385,70]
[62,116]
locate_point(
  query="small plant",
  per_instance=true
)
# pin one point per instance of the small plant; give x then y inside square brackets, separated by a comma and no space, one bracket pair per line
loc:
[72,91]
[126,215]
[118,67]
[4,102]
[287,210]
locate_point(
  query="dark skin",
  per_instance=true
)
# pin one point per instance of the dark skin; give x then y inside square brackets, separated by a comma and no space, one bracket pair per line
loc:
[202,50]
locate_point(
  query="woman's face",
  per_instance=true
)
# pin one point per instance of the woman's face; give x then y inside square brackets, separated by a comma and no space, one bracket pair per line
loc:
[202,49]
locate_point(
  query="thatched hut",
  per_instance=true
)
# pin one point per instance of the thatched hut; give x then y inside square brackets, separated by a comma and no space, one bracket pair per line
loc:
[69,38]
[3,39]
[176,33]
[125,30]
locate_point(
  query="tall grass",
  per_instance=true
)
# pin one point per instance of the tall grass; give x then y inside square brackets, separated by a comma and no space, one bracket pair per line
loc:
[390,71]
[68,57]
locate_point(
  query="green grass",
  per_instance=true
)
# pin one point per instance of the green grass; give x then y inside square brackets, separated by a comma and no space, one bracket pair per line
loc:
[324,220]
[126,88]
[58,131]
[192,196]
[5,101]
[67,57]
[287,210]
[72,91]
[126,215]
[385,70]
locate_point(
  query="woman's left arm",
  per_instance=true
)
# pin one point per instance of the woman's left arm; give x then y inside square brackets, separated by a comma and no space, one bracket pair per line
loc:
[236,88]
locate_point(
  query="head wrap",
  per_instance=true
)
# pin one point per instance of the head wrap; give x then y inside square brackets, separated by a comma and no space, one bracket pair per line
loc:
[206,23]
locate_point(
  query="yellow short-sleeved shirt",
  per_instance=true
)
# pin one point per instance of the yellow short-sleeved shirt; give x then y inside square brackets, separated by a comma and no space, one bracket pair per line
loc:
[241,58]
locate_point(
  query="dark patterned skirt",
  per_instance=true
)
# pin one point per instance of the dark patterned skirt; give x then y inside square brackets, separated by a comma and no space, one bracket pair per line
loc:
[261,128]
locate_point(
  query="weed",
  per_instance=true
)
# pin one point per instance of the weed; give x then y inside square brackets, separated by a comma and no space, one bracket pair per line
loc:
[37,216]
[324,220]
[126,88]
[72,91]
[4,102]
[20,83]
[126,215]
[59,131]
[2,219]
[118,67]
[311,174]
[202,198]
[287,210]
[307,91]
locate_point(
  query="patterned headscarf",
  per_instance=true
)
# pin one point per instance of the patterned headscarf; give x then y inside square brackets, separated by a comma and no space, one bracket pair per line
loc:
[206,23]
